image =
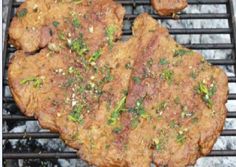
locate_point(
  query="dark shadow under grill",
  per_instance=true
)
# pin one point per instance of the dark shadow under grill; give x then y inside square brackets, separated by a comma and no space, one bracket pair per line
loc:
[13,117]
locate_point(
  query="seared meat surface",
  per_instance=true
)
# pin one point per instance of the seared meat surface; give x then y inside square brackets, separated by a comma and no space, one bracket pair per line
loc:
[169,7]
[78,40]
[37,23]
[176,100]
[128,103]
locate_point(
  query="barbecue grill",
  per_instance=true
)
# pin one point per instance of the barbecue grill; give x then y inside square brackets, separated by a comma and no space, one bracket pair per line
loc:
[14,117]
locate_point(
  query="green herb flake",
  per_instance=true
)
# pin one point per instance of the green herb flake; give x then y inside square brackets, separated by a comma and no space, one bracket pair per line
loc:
[79,46]
[96,55]
[76,114]
[137,80]
[134,122]
[61,36]
[150,62]
[168,75]
[37,82]
[117,111]
[173,124]
[177,100]
[117,130]
[139,110]
[163,61]
[162,106]
[182,52]
[128,66]
[159,143]
[110,32]
[55,23]
[22,13]
[76,22]
[106,70]
[207,93]
[180,138]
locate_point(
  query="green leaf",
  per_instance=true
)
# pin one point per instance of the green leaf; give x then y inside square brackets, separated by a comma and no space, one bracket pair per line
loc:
[55,23]
[168,75]
[163,61]
[22,13]
[137,80]
[79,46]
[117,111]
[76,22]
[96,55]
[182,52]
[110,32]
[76,114]
[180,138]
[37,82]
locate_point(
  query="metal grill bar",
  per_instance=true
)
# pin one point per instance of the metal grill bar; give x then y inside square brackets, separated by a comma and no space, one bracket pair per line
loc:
[230,79]
[71,155]
[25,118]
[39,135]
[231,62]
[190,46]
[147,2]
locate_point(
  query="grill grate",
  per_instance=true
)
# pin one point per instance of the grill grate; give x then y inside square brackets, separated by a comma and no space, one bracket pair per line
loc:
[15,116]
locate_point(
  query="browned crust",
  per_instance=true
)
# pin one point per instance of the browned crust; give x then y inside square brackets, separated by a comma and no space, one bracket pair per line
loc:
[168,9]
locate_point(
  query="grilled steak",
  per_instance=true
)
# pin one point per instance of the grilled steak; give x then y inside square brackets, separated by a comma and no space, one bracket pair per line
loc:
[173,111]
[77,39]
[38,23]
[124,104]
[176,100]
[169,7]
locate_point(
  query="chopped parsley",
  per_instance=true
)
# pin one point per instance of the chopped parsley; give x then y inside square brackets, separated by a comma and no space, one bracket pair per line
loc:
[182,52]
[163,61]
[159,143]
[96,55]
[61,36]
[22,13]
[137,80]
[108,77]
[37,82]
[138,111]
[55,23]
[76,22]
[168,75]
[128,66]
[150,62]
[162,106]
[173,124]
[117,111]
[76,114]
[110,32]
[117,130]
[207,93]
[180,138]
[79,46]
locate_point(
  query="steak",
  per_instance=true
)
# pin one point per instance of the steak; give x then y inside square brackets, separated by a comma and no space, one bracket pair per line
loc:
[176,101]
[38,23]
[34,79]
[165,104]
[128,103]
[168,7]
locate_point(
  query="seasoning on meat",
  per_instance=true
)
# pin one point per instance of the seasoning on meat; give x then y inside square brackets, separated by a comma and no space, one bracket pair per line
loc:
[169,7]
